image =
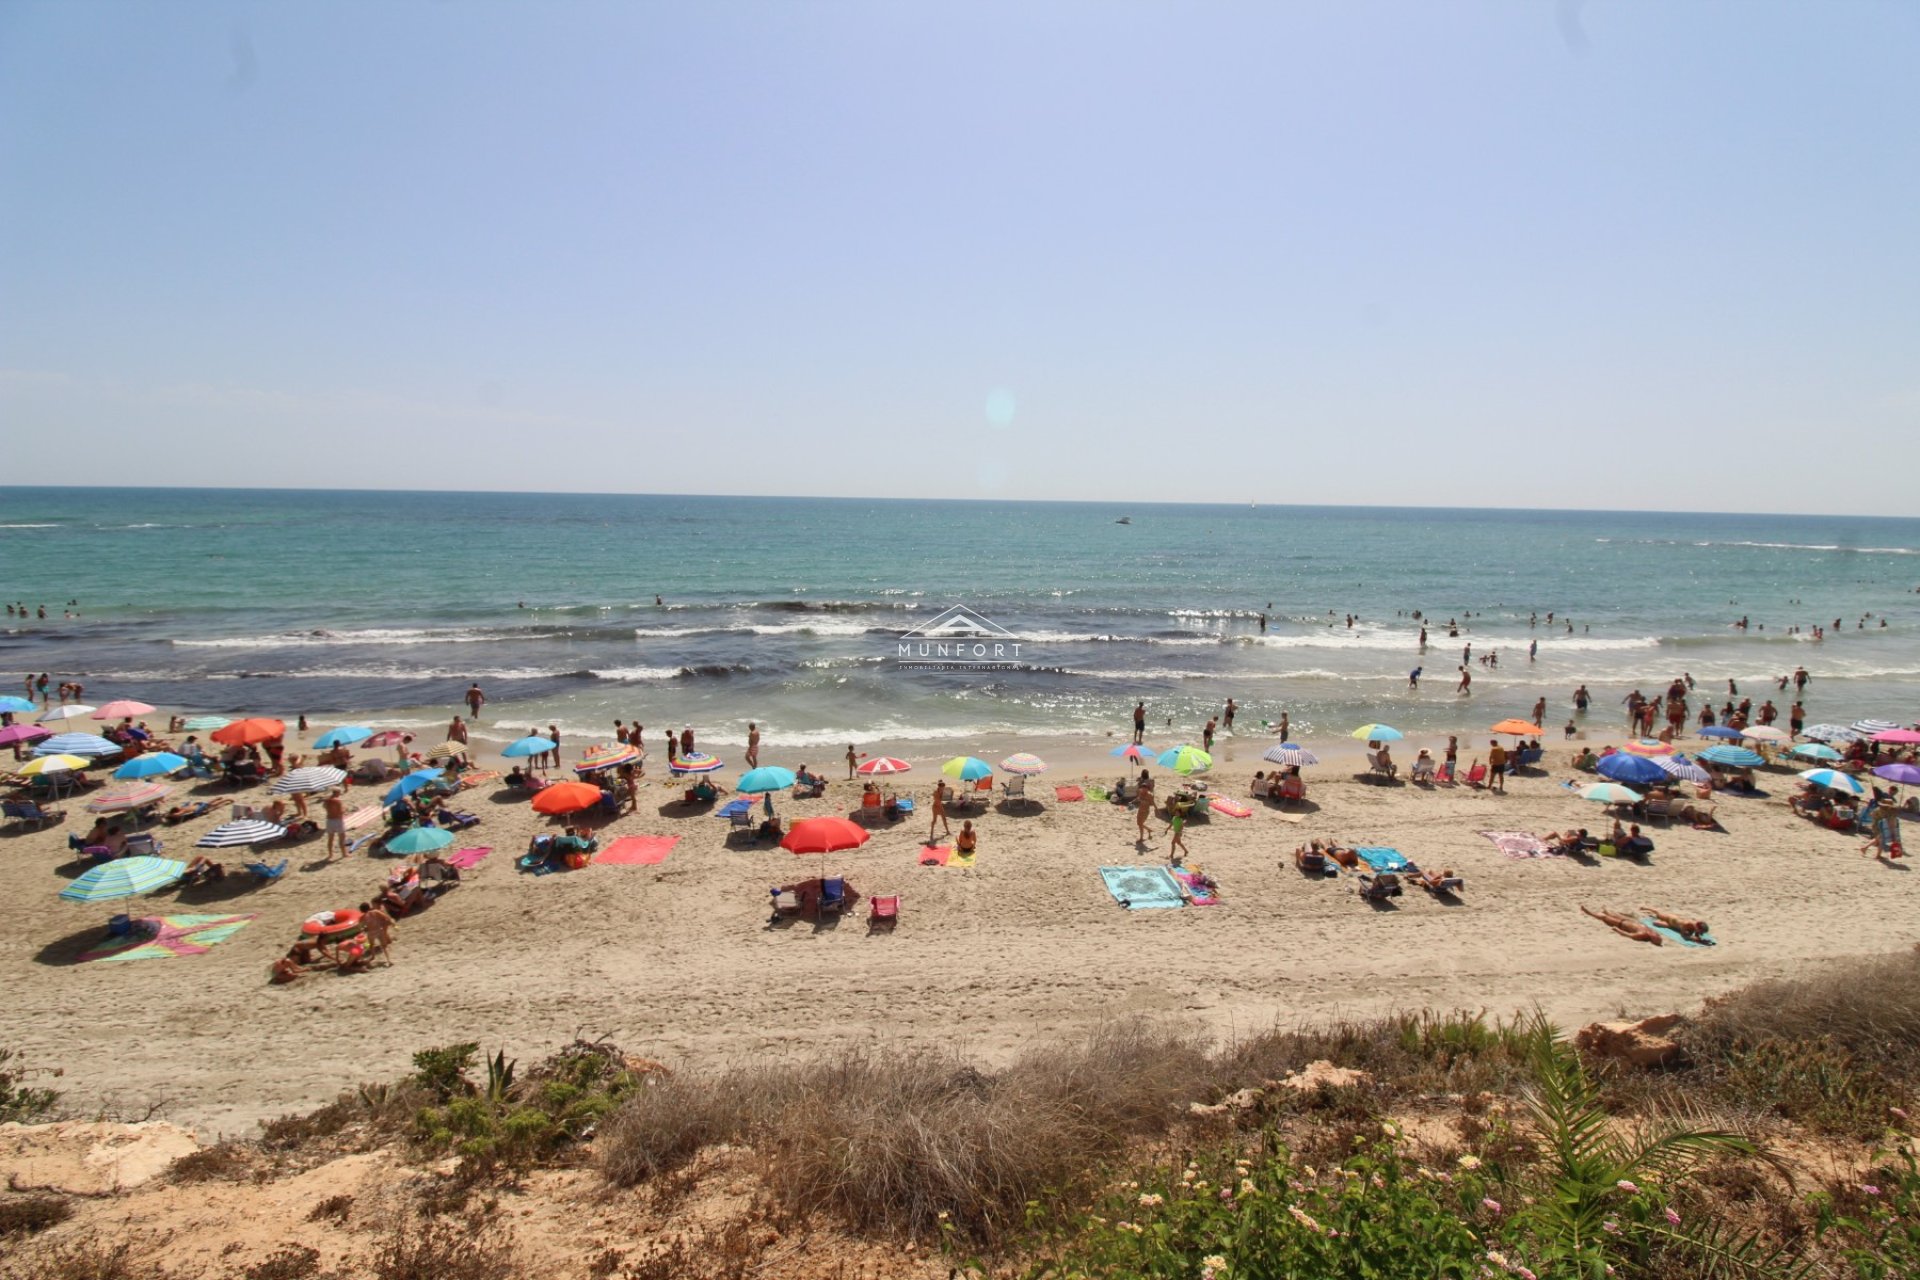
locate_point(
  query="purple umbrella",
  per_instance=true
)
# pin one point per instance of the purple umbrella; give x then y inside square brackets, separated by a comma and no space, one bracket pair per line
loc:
[23,733]
[1909,774]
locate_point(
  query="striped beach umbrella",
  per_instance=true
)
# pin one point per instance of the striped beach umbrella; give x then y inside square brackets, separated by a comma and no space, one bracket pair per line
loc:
[152,765]
[52,764]
[966,768]
[240,831]
[1185,759]
[1829,733]
[1865,728]
[200,724]
[1133,751]
[1814,751]
[696,762]
[385,738]
[420,840]
[609,756]
[1290,754]
[76,744]
[344,736]
[1610,793]
[1834,780]
[1683,769]
[1648,747]
[122,878]
[446,751]
[122,709]
[883,764]
[312,778]
[137,796]
[74,710]
[1024,762]
[533,745]
[1377,733]
[1733,757]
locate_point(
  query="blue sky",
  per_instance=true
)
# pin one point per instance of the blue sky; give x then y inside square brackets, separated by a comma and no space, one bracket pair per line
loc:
[1614,255]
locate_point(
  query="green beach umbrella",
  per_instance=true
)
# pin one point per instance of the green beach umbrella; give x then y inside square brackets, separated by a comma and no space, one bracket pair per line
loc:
[966,768]
[122,878]
[1185,759]
[200,724]
[420,840]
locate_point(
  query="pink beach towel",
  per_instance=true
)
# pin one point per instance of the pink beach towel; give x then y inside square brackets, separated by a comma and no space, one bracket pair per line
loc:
[468,859]
[1068,793]
[935,855]
[642,851]
[361,817]
[1232,808]
[1519,844]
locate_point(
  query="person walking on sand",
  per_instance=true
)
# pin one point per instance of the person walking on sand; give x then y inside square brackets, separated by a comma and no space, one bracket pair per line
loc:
[1177,824]
[753,745]
[1143,807]
[475,700]
[1139,722]
[379,930]
[939,811]
[457,731]
[336,810]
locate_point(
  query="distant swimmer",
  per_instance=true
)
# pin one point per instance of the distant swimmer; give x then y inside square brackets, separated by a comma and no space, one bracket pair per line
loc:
[658,600]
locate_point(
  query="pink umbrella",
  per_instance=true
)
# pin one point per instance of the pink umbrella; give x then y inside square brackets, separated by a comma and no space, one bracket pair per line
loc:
[23,733]
[1901,736]
[124,709]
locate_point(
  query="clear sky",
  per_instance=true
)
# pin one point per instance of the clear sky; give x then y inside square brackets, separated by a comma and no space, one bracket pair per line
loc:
[1603,254]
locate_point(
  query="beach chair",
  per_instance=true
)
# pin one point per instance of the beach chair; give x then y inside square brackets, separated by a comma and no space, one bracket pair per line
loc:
[459,821]
[883,912]
[1262,788]
[1381,887]
[1016,789]
[1477,775]
[833,897]
[1379,767]
[28,811]
[871,806]
[141,844]
[266,873]
[1422,771]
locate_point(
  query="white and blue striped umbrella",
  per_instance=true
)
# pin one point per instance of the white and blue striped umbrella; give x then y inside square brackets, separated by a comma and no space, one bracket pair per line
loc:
[76,744]
[1867,728]
[200,724]
[1834,780]
[152,765]
[1678,766]
[240,831]
[124,877]
[1291,754]
[313,778]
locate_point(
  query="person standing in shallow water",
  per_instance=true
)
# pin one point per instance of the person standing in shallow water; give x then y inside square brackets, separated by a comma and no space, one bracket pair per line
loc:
[753,745]
[1139,722]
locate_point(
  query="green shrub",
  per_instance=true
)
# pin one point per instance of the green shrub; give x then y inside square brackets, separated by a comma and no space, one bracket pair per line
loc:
[18,1102]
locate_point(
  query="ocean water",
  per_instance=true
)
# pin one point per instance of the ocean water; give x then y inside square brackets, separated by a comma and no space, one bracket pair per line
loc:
[789,612]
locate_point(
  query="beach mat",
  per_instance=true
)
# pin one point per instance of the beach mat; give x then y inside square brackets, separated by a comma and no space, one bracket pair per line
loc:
[1138,888]
[637,851]
[935,855]
[1673,935]
[1383,860]
[1232,808]
[1099,793]
[1197,892]
[959,859]
[1068,793]
[468,859]
[1519,844]
[361,817]
[165,937]
[1284,816]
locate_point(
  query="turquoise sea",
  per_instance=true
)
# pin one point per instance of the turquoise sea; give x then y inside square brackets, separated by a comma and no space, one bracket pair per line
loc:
[787,611]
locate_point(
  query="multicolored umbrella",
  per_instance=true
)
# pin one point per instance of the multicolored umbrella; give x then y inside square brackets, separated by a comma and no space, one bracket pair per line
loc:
[76,744]
[153,765]
[1024,762]
[1684,769]
[74,710]
[344,736]
[1733,757]
[52,764]
[609,756]
[528,746]
[1834,780]
[122,878]
[1379,733]
[966,768]
[445,751]
[1829,733]
[165,937]
[1291,754]
[824,835]
[23,733]
[1639,770]
[1610,793]
[883,764]
[566,797]
[1133,751]
[696,762]
[1185,759]
[138,796]
[313,778]
[766,780]
[249,733]
[1648,747]
[122,709]
[424,839]
[1899,772]
[200,724]
[241,831]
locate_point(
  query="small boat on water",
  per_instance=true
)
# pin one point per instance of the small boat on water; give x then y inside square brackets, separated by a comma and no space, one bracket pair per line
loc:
[1124,520]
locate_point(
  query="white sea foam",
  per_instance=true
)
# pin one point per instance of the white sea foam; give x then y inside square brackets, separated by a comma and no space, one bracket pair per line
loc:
[367,636]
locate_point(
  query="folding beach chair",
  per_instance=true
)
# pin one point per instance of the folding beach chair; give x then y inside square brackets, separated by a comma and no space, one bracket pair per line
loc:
[883,912]
[833,897]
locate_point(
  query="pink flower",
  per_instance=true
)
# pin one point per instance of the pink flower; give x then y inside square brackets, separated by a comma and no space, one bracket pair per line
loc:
[1611,1227]
[1490,1205]
[1673,1219]
[1627,1187]
[1870,1189]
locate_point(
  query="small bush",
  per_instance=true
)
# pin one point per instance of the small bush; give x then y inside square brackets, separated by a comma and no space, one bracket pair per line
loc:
[446,1248]
[85,1258]
[288,1262]
[18,1102]
[331,1209]
[222,1162]
[30,1214]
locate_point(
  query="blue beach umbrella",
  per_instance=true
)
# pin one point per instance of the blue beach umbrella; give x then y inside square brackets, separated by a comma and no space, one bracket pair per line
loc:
[410,784]
[1637,770]
[966,768]
[15,705]
[344,736]
[122,878]
[1814,751]
[1834,780]
[1720,731]
[766,779]
[76,744]
[1133,751]
[1733,757]
[420,840]
[532,746]
[151,766]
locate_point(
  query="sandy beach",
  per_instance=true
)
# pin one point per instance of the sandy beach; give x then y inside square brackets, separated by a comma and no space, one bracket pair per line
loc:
[676,961]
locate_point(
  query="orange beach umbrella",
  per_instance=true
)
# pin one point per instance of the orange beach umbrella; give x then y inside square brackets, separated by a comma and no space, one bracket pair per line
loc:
[566,797]
[1521,727]
[246,733]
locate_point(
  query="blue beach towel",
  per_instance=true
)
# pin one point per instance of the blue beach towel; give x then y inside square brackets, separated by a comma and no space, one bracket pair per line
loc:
[1138,888]
[1383,859]
[1708,940]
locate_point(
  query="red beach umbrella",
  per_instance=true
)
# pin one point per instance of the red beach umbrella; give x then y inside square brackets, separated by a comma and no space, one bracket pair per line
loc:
[822,835]
[884,764]
[247,733]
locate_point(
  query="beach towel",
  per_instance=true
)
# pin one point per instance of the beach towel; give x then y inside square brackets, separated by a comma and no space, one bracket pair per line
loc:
[1232,808]
[935,855]
[959,859]
[468,859]
[1068,793]
[164,937]
[1138,888]
[1672,935]
[1099,793]
[638,851]
[1520,844]
[1383,859]
[1201,895]
[1284,816]
[361,817]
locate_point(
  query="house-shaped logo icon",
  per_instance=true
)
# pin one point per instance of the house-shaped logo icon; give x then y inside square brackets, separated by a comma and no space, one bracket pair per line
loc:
[958,635]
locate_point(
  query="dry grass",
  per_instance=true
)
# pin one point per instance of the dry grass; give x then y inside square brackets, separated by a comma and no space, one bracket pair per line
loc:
[446,1248]
[83,1258]
[29,1214]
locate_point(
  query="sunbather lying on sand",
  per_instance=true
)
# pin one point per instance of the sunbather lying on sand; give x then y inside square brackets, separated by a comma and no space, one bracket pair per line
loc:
[1691,930]
[1625,926]
[1441,881]
[1333,850]
[1311,859]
